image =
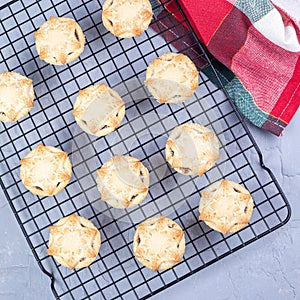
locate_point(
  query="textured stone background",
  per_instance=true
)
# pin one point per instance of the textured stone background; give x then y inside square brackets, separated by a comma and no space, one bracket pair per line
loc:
[268,269]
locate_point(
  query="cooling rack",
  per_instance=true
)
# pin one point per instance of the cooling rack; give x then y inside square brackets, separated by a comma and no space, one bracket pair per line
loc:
[121,64]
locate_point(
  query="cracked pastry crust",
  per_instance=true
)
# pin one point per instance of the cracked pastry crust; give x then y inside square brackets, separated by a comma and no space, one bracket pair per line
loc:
[45,170]
[74,242]
[226,206]
[192,149]
[98,110]
[172,78]
[126,18]
[59,41]
[159,243]
[16,96]
[123,181]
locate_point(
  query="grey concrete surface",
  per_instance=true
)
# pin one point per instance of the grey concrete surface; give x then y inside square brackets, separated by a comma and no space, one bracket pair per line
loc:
[269,269]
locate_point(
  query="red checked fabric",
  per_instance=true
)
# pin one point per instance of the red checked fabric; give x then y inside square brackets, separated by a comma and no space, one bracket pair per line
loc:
[258,44]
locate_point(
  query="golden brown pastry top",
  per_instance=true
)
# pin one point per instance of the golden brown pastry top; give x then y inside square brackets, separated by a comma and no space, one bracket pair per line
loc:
[16,96]
[171,78]
[226,206]
[74,242]
[45,170]
[99,110]
[123,181]
[192,149]
[59,41]
[159,243]
[126,18]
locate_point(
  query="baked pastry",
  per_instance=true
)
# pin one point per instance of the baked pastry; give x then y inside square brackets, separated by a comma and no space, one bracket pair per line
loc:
[123,181]
[126,18]
[225,206]
[16,96]
[59,41]
[159,243]
[98,110]
[45,170]
[171,78]
[74,242]
[192,149]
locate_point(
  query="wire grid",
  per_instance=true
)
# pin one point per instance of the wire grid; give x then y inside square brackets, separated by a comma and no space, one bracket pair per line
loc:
[121,64]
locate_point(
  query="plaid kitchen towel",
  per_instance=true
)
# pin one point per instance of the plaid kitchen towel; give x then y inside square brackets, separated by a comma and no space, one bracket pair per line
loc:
[256,44]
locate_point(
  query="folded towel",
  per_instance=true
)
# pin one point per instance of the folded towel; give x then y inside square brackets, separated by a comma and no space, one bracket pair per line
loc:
[256,46]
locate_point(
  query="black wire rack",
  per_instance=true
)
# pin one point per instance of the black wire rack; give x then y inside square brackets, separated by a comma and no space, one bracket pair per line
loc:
[121,63]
